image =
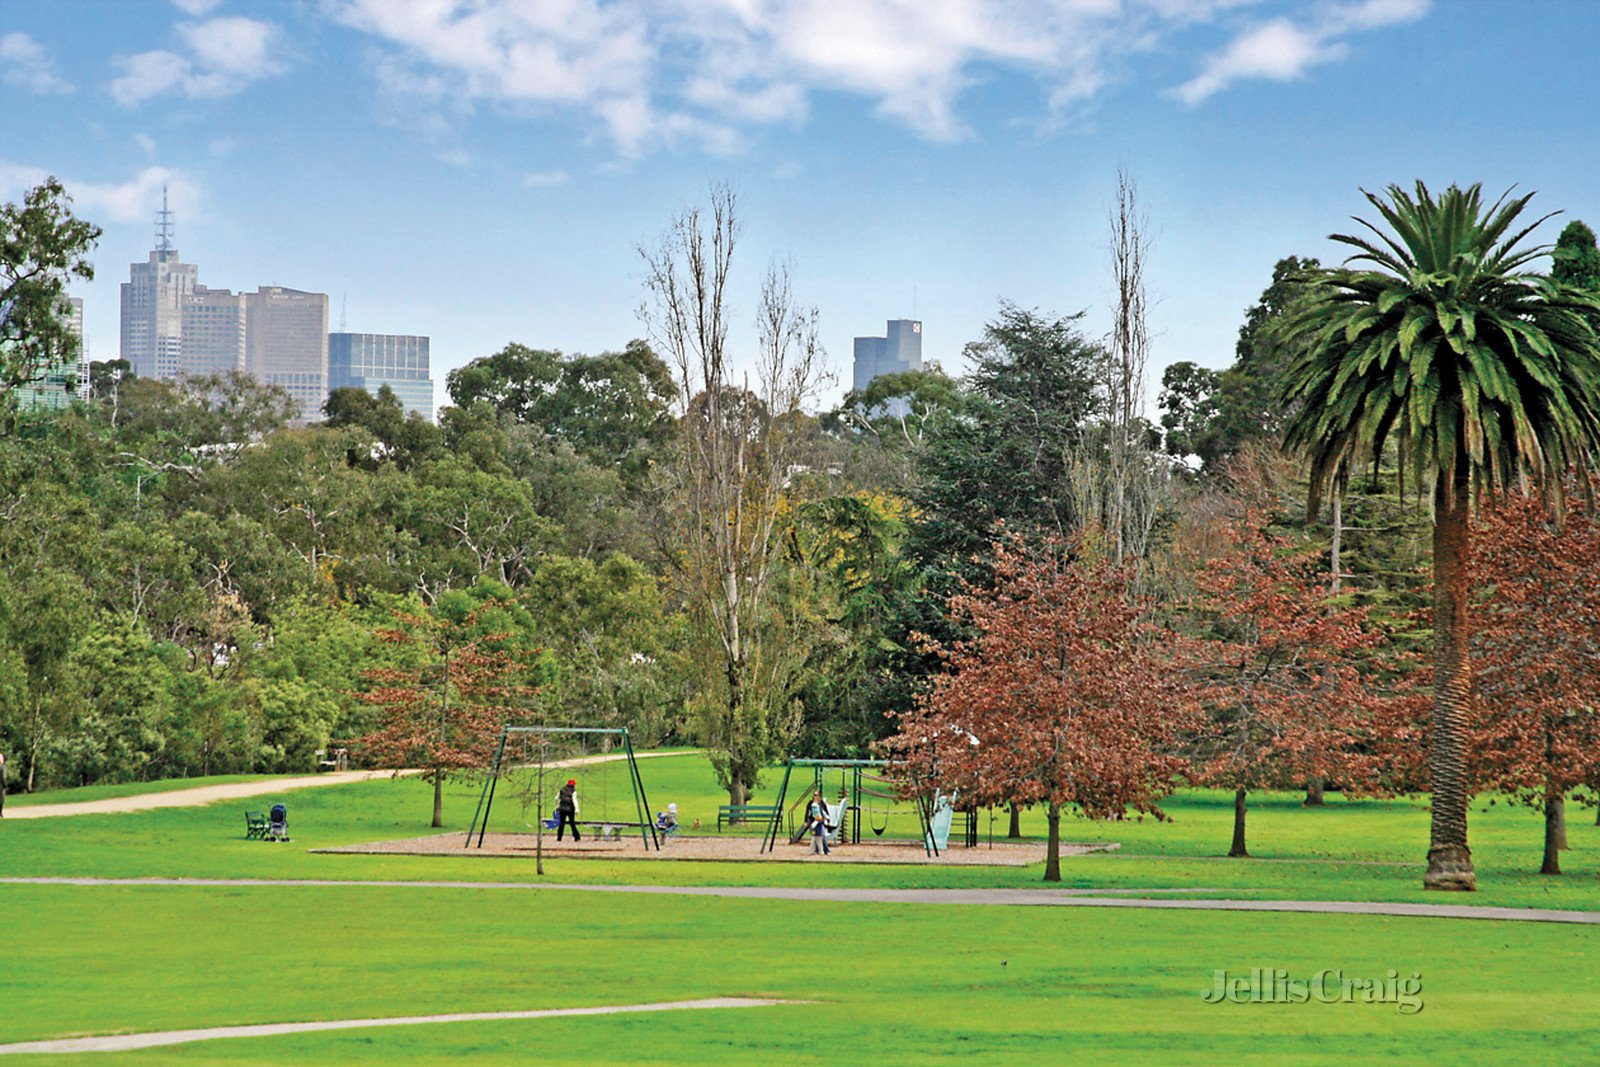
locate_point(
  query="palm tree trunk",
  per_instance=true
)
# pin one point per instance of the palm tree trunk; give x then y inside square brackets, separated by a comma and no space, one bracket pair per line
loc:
[1449,858]
[1237,848]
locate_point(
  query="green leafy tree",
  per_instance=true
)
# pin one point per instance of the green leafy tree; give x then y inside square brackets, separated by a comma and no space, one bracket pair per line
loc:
[43,246]
[1576,258]
[1486,373]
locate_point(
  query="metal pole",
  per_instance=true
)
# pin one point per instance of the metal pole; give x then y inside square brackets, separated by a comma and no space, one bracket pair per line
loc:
[641,802]
[770,841]
[486,798]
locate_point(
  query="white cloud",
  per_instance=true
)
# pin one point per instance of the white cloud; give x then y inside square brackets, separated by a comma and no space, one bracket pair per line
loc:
[545,179]
[132,201]
[25,64]
[1283,50]
[656,73]
[146,143]
[195,7]
[223,55]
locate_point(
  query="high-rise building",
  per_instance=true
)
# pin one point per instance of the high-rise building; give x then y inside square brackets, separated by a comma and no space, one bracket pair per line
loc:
[900,350]
[61,378]
[371,361]
[286,344]
[214,332]
[152,313]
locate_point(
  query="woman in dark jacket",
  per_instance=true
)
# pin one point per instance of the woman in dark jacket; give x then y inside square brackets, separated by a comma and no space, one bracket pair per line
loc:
[567,810]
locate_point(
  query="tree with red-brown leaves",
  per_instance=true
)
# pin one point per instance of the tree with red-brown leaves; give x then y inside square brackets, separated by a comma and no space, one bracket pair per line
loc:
[1282,674]
[1057,698]
[1535,726]
[471,669]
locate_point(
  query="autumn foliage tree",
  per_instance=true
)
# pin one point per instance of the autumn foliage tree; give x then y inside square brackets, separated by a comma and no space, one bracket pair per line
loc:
[1535,726]
[1056,699]
[443,711]
[1277,669]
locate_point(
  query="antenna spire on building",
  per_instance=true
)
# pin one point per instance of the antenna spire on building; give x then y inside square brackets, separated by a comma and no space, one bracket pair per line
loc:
[344,303]
[164,225]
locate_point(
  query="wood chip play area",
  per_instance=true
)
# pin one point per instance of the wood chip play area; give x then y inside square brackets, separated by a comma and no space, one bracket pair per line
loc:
[731,848]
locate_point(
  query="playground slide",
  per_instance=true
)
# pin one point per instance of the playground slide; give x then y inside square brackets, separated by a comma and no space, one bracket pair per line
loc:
[939,827]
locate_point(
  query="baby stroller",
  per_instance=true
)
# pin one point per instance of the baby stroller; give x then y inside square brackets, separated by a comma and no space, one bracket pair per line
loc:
[278,823]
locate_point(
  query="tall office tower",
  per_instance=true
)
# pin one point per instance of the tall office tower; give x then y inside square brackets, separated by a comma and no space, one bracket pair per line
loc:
[286,344]
[214,332]
[152,305]
[63,377]
[900,350]
[371,361]
[82,389]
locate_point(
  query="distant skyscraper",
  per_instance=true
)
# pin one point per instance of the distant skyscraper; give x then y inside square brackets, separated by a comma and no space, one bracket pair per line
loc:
[371,361]
[214,332]
[897,352]
[62,378]
[286,344]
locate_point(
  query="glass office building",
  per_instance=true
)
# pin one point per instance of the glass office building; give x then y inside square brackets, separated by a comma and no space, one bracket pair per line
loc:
[371,361]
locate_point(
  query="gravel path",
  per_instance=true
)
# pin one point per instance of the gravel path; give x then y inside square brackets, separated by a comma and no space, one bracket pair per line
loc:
[210,794]
[1082,898]
[124,1042]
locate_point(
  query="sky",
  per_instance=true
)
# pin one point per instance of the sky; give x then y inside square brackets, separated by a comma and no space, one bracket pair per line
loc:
[485,171]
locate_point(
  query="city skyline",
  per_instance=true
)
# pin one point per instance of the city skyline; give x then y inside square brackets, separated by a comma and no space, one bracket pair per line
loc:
[914,161]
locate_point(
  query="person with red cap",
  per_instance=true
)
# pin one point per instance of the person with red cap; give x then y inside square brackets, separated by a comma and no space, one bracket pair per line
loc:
[567,810]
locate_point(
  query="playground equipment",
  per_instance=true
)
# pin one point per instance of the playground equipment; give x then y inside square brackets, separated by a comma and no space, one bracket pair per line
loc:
[860,786]
[535,749]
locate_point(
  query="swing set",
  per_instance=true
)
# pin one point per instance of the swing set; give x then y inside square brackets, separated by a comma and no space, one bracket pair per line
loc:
[528,748]
[863,785]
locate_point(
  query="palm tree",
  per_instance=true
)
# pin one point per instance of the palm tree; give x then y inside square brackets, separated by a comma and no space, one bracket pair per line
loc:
[1485,374]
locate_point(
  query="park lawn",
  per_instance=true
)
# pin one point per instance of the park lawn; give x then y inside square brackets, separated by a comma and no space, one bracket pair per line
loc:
[1348,850]
[898,983]
[82,794]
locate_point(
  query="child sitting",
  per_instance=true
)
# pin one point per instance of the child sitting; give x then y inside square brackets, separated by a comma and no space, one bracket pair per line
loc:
[667,821]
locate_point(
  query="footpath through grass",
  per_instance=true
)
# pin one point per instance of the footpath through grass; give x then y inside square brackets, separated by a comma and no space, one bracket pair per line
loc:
[83,794]
[1348,850]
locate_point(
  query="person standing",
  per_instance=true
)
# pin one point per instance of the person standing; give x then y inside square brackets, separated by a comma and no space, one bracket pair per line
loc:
[819,826]
[567,810]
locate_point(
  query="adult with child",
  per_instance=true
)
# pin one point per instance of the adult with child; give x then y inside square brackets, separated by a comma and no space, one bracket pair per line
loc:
[819,826]
[567,810]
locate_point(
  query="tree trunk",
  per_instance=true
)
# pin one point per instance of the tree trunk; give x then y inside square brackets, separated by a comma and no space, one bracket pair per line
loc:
[737,792]
[1237,848]
[1052,854]
[1449,858]
[1314,787]
[1014,831]
[1555,810]
[438,796]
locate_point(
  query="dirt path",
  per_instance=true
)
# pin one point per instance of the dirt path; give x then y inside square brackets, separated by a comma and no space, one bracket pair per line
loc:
[210,794]
[124,1042]
[1081,898]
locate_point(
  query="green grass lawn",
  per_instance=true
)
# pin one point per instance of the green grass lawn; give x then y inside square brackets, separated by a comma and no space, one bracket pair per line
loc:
[1348,850]
[899,983]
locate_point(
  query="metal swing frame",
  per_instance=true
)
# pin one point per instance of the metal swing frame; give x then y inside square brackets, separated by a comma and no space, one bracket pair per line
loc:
[819,767]
[647,827]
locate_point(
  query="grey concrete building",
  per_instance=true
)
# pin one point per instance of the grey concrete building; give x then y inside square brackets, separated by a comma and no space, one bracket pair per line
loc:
[899,350]
[372,360]
[286,344]
[152,312]
[64,378]
[214,332]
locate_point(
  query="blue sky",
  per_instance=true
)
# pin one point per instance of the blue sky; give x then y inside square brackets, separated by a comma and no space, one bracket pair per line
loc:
[482,172]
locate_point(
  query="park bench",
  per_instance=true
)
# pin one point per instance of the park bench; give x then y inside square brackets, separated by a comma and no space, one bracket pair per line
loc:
[255,826]
[736,813]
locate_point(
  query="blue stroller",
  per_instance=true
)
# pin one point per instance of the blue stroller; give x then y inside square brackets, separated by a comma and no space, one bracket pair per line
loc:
[278,823]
